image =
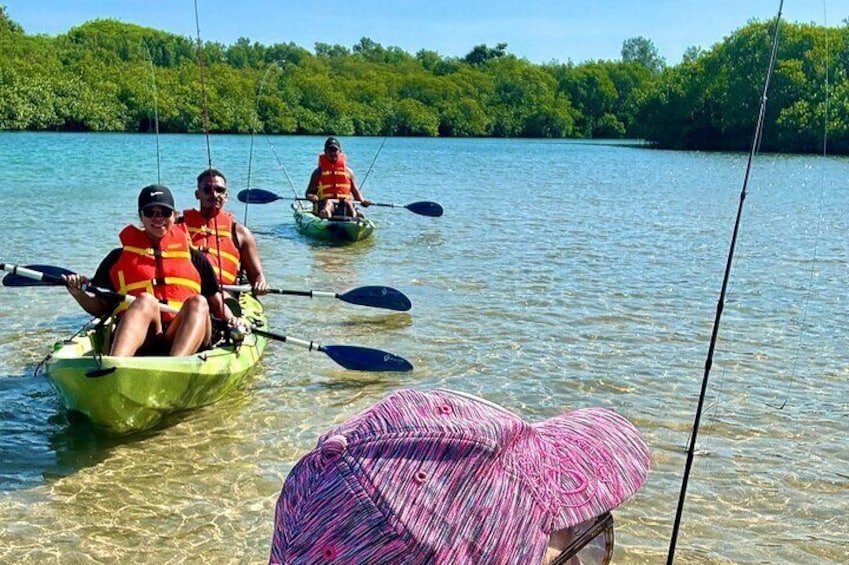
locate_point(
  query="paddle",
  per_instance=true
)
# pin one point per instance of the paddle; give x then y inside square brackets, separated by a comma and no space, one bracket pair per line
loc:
[351,357]
[36,275]
[260,196]
[348,356]
[373,296]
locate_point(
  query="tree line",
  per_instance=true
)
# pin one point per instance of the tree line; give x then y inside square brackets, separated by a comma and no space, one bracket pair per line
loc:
[107,75]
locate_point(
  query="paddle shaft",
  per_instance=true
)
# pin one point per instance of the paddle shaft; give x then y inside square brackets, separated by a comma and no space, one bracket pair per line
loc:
[371,296]
[308,344]
[309,293]
[351,357]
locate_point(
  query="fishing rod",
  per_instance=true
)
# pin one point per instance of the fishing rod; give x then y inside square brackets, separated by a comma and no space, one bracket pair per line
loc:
[204,107]
[756,142]
[205,115]
[155,111]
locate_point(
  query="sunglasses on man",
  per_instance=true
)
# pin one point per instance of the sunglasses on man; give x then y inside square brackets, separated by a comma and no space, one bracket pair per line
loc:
[209,188]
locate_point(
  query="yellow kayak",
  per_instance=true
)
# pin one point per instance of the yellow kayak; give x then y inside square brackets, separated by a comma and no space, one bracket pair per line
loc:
[121,395]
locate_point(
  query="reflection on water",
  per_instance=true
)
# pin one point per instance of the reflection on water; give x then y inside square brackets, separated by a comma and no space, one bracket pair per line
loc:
[607,302]
[39,440]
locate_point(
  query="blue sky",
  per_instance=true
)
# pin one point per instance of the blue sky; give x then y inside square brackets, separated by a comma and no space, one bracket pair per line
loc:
[540,31]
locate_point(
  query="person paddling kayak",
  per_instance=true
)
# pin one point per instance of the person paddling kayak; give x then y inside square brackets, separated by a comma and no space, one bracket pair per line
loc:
[228,245]
[333,185]
[156,264]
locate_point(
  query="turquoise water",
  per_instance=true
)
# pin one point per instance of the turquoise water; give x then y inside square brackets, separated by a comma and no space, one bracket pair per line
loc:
[562,275]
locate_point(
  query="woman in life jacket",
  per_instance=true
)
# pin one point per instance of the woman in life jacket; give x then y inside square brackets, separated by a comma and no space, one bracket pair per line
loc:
[333,185]
[156,265]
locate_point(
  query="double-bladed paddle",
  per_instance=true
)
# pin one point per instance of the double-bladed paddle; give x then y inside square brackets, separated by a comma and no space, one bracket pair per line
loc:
[260,196]
[348,356]
[351,357]
[373,296]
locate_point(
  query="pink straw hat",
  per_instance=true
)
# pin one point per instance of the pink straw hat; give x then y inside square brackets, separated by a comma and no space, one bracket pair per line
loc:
[445,477]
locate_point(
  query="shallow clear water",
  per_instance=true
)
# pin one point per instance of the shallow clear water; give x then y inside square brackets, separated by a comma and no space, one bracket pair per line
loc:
[562,275]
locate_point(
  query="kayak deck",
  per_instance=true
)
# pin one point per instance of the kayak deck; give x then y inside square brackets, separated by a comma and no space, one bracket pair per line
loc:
[339,230]
[121,395]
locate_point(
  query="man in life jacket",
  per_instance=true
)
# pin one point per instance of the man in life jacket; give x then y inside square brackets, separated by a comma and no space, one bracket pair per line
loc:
[229,246]
[156,265]
[333,186]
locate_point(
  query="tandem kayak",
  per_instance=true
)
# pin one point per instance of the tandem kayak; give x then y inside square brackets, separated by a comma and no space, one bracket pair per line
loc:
[338,230]
[121,395]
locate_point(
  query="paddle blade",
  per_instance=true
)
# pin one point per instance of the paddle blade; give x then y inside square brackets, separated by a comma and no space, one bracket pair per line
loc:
[257,196]
[432,209]
[359,358]
[377,297]
[52,276]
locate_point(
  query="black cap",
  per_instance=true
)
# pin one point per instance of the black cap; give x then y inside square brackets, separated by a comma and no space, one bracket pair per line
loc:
[332,142]
[156,195]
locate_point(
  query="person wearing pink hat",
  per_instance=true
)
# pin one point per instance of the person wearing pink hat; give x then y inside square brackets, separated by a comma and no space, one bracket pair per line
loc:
[442,477]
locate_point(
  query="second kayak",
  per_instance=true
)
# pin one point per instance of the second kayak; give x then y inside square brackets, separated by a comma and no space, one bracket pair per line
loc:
[338,230]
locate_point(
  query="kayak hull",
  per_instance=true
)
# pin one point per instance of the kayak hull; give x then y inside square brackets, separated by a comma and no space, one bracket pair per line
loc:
[121,395]
[343,231]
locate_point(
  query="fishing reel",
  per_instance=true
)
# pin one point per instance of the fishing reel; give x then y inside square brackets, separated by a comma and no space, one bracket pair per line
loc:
[239,332]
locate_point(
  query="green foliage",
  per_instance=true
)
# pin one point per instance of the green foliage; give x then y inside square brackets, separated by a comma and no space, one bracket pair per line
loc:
[107,75]
[642,51]
[712,99]
[482,54]
[7,25]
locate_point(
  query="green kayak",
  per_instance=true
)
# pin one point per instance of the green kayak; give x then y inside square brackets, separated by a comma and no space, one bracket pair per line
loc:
[338,230]
[121,395]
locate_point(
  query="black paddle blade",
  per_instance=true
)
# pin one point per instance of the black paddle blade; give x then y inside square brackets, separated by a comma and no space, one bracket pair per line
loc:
[377,297]
[432,209]
[50,272]
[257,196]
[359,358]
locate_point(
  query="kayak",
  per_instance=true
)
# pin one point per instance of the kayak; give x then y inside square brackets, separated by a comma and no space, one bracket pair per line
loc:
[120,395]
[334,229]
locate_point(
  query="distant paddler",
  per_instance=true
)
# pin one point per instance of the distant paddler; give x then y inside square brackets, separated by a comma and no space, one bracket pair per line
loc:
[333,185]
[156,265]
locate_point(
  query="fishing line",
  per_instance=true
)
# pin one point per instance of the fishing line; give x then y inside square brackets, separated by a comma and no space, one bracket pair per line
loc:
[278,64]
[756,142]
[365,178]
[282,168]
[155,111]
[790,383]
[253,131]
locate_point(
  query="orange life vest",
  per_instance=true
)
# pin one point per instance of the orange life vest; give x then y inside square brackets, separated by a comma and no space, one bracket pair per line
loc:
[334,181]
[164,270]
[214,237]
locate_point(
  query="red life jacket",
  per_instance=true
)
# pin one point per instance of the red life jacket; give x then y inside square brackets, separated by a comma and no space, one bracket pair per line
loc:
[164,270]
[334,181]
[214,237]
